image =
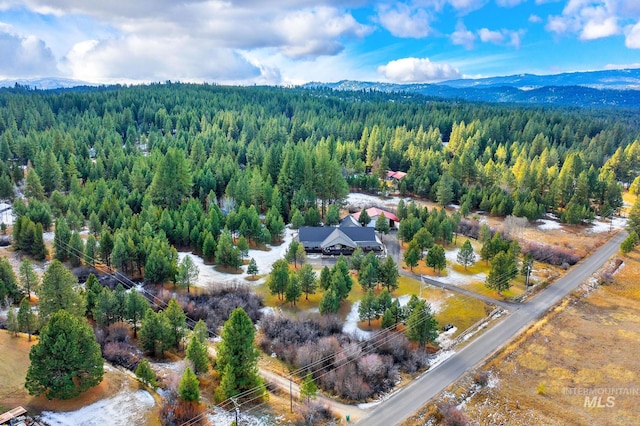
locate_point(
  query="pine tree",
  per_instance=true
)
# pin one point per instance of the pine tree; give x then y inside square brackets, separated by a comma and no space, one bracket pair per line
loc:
[503,270]
[252,268]
[189,388]
[146,374]
[421,325]
[38,249]
[279,278]
[293,291]
[200,332]
[238,354]
[209,248]
[155,333]
[12,322]
[66,361]
[364,218]
[307,280]
[135,307]
[27,320]
[177,320]
[633,224]
[28,277]
[90,250]
[187,272]
[57,292]
[62,238]
[368,308]
[436,258]
[197,353]
[466,255]
[309,389]
[172,179]
[76,250]
[412,255]
[389,274]
[330,302]
[382,224]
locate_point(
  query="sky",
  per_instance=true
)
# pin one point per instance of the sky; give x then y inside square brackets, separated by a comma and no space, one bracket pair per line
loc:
[285,42]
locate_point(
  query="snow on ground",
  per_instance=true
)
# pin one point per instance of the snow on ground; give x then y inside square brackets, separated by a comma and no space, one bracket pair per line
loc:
[439,357]
[124,408]
[364,201]
[457,278]
[548,224]
[48,236]
[604,225]
[264,259]
[444,338]
[227,418]
[6,216]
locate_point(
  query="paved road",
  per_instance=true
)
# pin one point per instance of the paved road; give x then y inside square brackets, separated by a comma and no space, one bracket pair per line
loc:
[409,400]
[461,290]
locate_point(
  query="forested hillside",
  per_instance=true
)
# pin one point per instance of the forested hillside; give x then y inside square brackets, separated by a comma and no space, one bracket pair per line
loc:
[153,168]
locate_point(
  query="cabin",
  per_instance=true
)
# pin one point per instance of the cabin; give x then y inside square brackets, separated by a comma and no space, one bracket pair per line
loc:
[329,240]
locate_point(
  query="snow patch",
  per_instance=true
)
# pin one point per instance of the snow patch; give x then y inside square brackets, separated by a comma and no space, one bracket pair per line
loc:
[208,276]
[440,357]
[351,323]
[227,418]
[125,408]
[548,224]
[604,225]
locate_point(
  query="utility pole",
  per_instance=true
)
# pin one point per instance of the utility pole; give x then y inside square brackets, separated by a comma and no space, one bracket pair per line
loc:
[235,403]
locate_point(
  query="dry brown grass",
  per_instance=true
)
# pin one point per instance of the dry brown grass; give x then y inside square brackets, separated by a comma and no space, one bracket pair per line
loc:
[587,343]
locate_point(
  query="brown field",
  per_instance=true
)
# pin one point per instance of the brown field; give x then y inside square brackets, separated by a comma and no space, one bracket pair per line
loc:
[587,345]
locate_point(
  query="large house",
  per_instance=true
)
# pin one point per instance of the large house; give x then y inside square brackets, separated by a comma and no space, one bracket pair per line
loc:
[374,212]
[330,240]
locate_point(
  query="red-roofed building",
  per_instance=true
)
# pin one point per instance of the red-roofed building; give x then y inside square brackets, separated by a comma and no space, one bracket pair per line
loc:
[374,212]
[391,175]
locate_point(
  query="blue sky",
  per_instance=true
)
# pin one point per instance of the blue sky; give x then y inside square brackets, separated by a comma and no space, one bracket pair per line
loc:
[295,41]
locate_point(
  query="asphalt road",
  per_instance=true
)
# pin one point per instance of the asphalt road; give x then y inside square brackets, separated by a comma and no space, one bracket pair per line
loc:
[408,401]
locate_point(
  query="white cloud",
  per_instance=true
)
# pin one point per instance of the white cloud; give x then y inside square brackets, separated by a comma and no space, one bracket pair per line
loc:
[196,39]
[467,5]
[509,3]
[501,36]
[535,19]
[632,36]
[404,21]
[156,60]
[24,56]
[488,36]
[462,36]
[414,70]
[592,19]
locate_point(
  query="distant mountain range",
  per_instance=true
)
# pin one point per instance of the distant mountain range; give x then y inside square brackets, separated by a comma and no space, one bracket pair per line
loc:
[47,83]
[612,88]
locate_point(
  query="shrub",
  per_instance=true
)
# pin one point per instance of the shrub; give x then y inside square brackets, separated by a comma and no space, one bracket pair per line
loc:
[481,378]
[453,416]
[123,354]
[550,254]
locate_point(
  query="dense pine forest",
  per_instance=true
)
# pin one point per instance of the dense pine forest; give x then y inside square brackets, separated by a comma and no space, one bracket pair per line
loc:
[152,169]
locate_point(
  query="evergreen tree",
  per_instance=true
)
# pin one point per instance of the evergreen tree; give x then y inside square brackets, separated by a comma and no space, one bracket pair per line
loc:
[309,389]
[28,277]
[633,223]
[330,302]
[198,355]
[387,319]
[423,239]
[466,255]
[38,249]
[62,238]
[33,187]
[368,308]
[146,374]
[90,250]
[364,218]
[252,268]
[436,258]
[105,310]
[187,272]
[293,291]
[135,307]
[333,215]
[177,320]
[325,278]
[155,333]
[356,259]
[503,270]
[307,280]
[58,291]
[421,325]
[238,355]
[189,388]
[389,274]
[92,290]
[295,253]
[279,278]
[243,246]
[297,220]
[444,193]
[209,248]
[76,250]
[12,322]
[382,224]
[27,320]
[106,246]
[66,361]
[200,332]
[412,255]
[367,276]
[172,180]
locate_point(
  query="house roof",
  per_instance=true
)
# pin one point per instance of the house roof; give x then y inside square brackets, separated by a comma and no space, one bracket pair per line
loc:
[326,236]
[396,175]
[375,212]
[349,221]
